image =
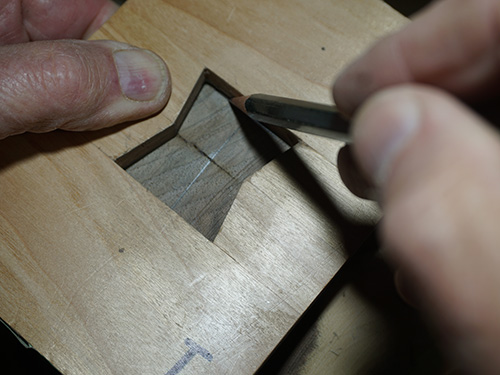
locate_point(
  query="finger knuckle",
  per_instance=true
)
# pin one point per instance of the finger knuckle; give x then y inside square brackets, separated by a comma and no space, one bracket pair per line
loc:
[65,79]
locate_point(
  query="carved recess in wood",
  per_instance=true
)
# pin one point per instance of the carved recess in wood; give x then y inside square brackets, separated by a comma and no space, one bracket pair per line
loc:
[199,171]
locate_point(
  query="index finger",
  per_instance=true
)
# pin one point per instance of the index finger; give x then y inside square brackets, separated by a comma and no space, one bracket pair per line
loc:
[452,45]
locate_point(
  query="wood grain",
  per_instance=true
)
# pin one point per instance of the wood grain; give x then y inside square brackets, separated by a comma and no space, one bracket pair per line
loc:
[199,172]
[128,284]
[103,278]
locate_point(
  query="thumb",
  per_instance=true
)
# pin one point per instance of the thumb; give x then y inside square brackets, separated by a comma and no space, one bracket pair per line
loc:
[78,85]
[437,166]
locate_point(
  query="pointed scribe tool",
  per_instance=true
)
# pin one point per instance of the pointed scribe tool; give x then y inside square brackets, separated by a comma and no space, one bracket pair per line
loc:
[314,118]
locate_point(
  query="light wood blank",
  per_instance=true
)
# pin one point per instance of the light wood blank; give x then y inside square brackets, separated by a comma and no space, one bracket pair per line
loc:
[101,277]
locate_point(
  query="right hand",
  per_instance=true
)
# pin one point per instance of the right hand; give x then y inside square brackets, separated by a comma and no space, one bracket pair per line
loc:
[436,166]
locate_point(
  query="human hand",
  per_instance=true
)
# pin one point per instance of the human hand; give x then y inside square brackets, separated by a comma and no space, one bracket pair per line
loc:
[48,83]
[436,167]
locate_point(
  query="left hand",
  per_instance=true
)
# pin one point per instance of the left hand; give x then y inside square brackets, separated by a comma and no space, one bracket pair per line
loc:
[50,80]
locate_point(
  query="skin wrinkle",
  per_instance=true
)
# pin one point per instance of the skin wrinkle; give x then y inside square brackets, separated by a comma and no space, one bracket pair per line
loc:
[60,95]
[71,85]
[11,30]
[94,83]
[11,88]
[64,82]
[19,27]
[70,90]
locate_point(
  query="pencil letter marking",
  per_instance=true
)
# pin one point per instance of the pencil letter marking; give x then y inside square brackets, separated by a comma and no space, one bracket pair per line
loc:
[194,349]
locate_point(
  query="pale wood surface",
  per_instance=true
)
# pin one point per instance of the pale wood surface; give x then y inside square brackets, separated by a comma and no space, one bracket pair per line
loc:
[101,277]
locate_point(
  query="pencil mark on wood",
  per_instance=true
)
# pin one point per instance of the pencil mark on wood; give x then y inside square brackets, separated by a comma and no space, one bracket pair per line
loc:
[334,352]
[198,173]
[230,15]
[194,349]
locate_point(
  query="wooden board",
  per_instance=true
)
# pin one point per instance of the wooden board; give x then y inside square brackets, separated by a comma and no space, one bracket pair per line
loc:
[102,277]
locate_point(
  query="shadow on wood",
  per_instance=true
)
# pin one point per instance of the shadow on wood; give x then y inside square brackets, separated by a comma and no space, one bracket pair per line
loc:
[358,308]
[301,174]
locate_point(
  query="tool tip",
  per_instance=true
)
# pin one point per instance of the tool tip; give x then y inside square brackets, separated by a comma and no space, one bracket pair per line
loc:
[239,102]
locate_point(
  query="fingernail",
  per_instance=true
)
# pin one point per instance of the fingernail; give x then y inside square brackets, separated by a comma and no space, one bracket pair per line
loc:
[142,75]
[382,129]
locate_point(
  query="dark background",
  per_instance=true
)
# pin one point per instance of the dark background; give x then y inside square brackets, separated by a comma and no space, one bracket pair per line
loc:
[408,7]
